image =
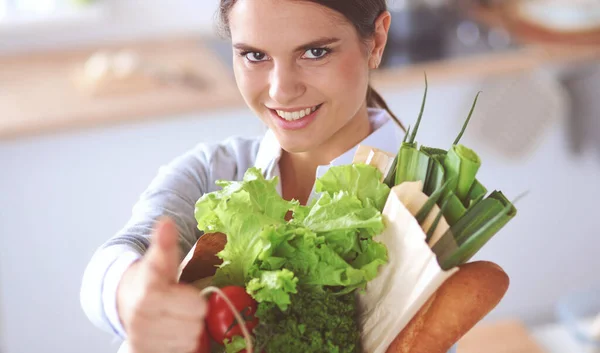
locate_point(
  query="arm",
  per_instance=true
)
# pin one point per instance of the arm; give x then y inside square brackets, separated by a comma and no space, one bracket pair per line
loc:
[173,192]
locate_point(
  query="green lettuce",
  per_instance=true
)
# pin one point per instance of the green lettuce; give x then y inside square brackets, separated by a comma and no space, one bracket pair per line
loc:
[241,210]
[327,245]
[359,179]
[273,286]
[234,345]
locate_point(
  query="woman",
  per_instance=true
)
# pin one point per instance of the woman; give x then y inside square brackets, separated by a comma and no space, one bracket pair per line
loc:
[303,68]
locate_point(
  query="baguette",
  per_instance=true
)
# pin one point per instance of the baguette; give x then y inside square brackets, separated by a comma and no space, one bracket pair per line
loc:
[456,307]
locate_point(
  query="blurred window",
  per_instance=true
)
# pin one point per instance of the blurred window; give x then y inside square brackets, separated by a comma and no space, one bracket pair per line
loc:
[19,12]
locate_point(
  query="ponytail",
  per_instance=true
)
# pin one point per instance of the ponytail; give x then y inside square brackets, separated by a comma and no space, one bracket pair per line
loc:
[374,100]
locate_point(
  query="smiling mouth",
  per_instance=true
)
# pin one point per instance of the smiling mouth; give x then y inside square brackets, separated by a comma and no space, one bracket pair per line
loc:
[297,115]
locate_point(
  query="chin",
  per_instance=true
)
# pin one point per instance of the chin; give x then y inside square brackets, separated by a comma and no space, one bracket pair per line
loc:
[295,146]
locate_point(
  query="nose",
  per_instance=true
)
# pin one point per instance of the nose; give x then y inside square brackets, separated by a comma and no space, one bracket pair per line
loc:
[285,84]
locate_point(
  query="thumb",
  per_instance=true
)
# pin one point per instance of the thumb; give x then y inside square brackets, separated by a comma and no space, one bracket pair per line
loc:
[162,259]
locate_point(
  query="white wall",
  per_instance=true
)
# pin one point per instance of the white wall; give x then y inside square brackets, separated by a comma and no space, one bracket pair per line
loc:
[127,19]
[62,195]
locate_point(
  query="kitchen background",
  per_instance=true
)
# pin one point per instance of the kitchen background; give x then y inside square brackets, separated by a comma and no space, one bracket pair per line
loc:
[96,95]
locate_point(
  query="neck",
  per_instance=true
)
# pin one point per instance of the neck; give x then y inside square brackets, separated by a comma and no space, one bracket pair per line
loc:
[298,170]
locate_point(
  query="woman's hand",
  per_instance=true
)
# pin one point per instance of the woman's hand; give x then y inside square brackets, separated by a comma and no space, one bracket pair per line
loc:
[158,313]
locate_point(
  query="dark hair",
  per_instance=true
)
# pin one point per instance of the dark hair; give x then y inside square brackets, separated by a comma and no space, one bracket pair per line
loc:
[361,13]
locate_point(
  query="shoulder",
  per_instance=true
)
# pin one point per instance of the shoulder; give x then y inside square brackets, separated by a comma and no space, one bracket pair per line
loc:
[226,159]
[235,147]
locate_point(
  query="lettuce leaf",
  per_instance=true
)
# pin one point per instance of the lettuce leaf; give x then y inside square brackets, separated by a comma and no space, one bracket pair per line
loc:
[339,218]
[241,210]
[361,180]
[235,344]
[273,286]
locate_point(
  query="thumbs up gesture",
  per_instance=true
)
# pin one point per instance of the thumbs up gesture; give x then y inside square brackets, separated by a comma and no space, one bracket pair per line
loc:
[158,313]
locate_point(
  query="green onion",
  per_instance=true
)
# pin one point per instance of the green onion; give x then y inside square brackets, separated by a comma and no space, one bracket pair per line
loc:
[462,131]
[435,169]
[476,194]
[406,135]
[431,201]
[436,221]
[450,178]
[474,230]
[434,152]
[480,215]
[390,178]
[412,165]
[462,164]
[455,210]
[414,133]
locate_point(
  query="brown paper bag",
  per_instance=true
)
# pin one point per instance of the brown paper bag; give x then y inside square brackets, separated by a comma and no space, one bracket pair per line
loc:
[201,262]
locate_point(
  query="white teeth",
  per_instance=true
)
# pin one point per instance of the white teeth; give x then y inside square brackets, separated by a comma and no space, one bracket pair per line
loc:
[291,116]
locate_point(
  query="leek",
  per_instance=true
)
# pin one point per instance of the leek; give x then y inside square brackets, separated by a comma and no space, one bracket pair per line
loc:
[406,135]
[450,178]
[435,170]
[474,230]
[414,133]
[437,153]
[412,165]
[431,201]
[462,164]
[462,131]
[455,210]
[391,174]
[476,194]
[435,174]
[390,178]
[436,221]
[480,215]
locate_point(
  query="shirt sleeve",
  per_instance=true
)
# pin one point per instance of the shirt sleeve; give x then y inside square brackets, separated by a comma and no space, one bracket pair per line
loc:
[173,192]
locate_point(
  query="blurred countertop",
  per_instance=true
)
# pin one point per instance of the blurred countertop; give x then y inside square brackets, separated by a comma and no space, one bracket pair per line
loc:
[47,92]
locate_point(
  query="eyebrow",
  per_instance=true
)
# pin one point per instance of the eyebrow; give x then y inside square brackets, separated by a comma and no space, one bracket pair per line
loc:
[314,44]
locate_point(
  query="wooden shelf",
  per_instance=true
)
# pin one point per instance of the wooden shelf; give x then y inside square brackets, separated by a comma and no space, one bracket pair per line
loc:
[527,58]
[38,93]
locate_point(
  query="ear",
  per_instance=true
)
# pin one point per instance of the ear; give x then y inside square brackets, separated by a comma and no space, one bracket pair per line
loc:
[380,37]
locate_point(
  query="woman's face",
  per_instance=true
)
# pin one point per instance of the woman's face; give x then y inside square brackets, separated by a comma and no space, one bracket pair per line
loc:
[301,67]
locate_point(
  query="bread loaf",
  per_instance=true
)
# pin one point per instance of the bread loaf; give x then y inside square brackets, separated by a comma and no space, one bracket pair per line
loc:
[456,307]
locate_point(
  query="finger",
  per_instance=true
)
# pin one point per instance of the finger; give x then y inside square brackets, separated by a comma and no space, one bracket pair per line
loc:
[185,302]
[168,334]
[162,259]
[177,301]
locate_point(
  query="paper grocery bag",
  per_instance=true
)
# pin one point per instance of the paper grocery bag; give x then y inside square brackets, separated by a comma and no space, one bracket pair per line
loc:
[412,274]
[201,262]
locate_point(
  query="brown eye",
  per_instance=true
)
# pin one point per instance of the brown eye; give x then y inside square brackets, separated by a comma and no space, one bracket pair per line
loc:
[255,56]
[316,53]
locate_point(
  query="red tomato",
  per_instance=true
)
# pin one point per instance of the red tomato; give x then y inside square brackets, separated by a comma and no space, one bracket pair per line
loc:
[220,320]
[204,346]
